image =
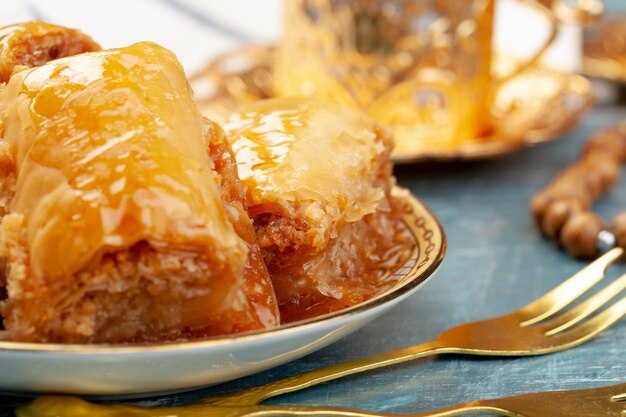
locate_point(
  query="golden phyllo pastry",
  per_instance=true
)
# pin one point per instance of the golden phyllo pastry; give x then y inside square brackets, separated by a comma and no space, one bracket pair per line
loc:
[35,43]
[119,228]
[318,180]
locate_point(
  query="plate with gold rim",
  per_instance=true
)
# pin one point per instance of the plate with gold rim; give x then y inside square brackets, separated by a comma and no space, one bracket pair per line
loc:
[147,369]
[540,105]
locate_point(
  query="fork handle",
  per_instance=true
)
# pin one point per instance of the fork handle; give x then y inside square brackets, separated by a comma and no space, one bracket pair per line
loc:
[255,395]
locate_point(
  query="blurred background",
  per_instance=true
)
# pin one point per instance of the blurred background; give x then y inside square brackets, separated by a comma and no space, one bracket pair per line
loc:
[198,30]
[202,32]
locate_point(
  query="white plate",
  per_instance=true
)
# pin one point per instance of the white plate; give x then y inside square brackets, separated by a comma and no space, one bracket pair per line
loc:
[147,369]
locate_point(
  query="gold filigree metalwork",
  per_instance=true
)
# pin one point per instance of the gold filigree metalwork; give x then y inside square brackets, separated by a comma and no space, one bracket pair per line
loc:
[539,105]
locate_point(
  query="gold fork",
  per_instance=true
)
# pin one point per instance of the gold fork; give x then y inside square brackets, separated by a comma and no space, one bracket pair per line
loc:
[595,402]
[524,332]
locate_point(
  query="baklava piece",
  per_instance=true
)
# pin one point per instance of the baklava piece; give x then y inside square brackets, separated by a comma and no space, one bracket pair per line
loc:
[318,179]
[121,227]
[34,43]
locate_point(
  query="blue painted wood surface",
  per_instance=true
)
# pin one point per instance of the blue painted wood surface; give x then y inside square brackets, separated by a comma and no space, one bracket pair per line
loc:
[497,262]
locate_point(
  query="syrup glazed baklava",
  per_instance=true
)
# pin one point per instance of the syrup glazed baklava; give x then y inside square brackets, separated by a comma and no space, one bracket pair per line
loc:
[123,217]
[34,43]
[318,180]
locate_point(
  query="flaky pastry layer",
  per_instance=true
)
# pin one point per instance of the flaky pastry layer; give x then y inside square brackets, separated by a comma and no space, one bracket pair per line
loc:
[318,178]
[34,43]
[126,220]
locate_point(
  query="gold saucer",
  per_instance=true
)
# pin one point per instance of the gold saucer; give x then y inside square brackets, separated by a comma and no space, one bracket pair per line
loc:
[538,106]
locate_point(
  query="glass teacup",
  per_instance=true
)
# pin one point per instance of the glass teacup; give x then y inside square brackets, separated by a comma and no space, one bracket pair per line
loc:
[420,67]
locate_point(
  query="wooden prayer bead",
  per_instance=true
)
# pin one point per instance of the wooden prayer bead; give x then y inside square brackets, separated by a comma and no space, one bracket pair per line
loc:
[619,229]
[606,166]
[562,210]
[595,184]
[574,191]
[618,133]
[557,213]
[539,204]
[580,234]
[608,142]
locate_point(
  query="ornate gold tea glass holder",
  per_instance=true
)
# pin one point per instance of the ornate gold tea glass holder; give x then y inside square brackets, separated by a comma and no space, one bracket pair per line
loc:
[540,105]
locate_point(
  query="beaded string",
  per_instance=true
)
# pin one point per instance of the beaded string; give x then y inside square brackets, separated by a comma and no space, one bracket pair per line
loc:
[562,210]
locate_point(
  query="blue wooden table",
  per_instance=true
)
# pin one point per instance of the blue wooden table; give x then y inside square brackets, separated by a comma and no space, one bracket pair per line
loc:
[496,262]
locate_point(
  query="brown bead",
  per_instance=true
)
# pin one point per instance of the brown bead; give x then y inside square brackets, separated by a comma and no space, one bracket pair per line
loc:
[622,139]
[539,204]
[607,141]
[569,181]
[579,235]
[577,191]
[619,229]
[574,174]
[620,128]
[601,155]
[595,183]
[557,213]
[606,166]
[620,131]
[562,209]
[542,201]
[580,176]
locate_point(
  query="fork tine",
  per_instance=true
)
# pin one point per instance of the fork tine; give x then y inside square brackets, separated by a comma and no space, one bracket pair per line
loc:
[584,310]
[570,290]
[597,324]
